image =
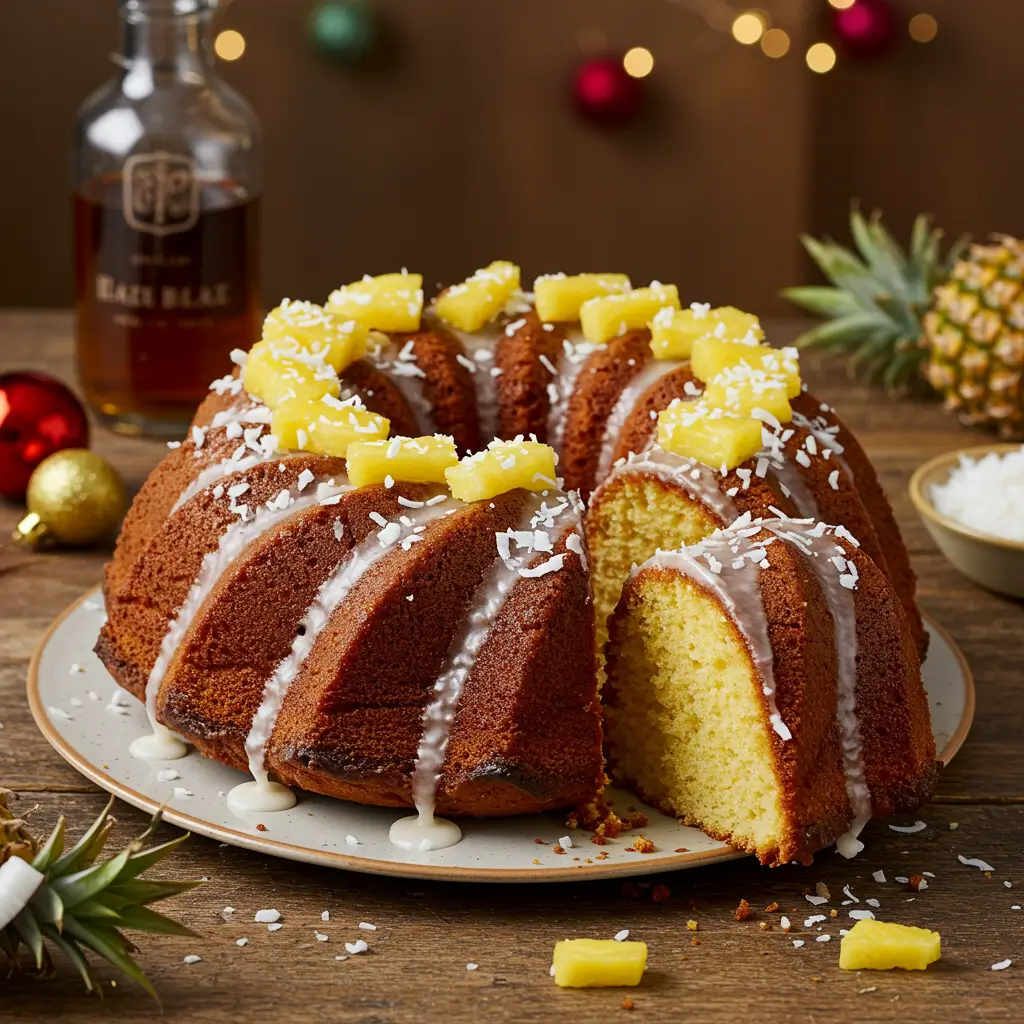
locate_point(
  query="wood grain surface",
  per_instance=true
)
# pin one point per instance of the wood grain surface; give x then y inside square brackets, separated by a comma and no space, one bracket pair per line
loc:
[428,932]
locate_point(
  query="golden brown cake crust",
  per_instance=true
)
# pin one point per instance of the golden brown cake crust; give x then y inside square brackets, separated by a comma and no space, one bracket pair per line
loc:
[447,385]
[896,556]
[522,386]
[605,374]
[382,396]
[898,748]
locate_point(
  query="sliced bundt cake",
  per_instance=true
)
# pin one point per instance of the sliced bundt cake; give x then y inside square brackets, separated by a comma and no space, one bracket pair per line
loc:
[763,686]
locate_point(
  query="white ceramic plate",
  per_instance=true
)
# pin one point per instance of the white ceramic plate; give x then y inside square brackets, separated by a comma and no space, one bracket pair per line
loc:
[72,708]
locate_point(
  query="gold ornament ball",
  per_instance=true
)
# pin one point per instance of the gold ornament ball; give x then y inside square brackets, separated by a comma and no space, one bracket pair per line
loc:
[78,496]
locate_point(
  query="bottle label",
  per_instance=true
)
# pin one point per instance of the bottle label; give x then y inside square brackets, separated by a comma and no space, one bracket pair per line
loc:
[161,193]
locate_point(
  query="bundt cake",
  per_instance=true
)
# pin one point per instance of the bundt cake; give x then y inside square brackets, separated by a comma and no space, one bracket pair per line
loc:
[339,581]
[763,685]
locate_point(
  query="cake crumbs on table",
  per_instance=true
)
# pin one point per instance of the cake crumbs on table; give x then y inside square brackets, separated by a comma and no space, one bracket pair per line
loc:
[743,911]
[691,925]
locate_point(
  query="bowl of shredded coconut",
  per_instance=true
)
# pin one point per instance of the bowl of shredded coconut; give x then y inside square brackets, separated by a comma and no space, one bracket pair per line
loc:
[972,503]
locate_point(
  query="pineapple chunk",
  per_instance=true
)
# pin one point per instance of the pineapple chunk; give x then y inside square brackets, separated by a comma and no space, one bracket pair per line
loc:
[599,963]
[673,332]
[502,467]
[610,316]
[558,298]
[742,393]
[274,375]
[710,356]
[419,460]
[477,301]
[881,946]
[309,328]
[712,436]
[326,426]
[390,302]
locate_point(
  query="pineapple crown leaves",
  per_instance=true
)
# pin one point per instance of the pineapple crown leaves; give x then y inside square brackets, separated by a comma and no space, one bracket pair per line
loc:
[83,903]
[877,296]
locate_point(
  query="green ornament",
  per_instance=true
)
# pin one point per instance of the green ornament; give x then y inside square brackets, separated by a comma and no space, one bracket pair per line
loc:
[345,31]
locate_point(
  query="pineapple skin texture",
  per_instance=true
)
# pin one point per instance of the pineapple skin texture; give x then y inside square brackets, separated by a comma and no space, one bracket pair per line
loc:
[599,963]
[881,946]
[974,333]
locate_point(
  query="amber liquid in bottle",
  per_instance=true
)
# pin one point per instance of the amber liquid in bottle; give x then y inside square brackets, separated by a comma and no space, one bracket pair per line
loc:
[166,285]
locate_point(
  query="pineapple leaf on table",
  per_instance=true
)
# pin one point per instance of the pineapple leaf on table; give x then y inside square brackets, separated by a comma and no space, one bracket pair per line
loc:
[77,902]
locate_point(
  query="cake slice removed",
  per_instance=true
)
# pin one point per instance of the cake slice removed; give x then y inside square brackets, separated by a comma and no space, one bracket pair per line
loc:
[757,682]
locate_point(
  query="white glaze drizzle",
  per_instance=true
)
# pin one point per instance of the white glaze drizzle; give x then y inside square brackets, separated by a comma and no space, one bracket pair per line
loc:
[831,567]
[334,590]
[533,538]
[399,363]
[575,352]
[729,563]
[700,482]
[480,348]
[650,373]
[233,542]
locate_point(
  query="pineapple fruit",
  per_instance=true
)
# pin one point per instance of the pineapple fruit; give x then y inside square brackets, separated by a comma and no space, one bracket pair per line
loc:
[478,300]
[721,439]
[610,316]
[598,963]
[274,376]
[418,460]
[713,356]
[325,426]
[308,328]
[558,297]
[881,946]
[743,394]
[75,902]
[390,302]
[503,466]
[674,331]
[954,320]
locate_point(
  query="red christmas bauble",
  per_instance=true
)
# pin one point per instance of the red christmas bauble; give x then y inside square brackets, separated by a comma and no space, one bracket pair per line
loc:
[38,416]
[867,28]
[605,93]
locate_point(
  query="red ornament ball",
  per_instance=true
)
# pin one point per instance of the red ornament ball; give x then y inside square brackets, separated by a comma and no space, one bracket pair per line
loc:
[38,416]
[867,28]
[605,93]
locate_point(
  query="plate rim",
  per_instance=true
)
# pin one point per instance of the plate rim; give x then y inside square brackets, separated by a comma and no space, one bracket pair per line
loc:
[403,869]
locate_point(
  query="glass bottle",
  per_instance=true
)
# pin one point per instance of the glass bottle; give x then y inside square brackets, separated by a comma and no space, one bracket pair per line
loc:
[167,184]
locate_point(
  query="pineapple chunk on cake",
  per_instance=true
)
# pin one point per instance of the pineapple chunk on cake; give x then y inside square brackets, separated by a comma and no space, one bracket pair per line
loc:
[599,963]
[308,328]
[881,946]
[479,299]
[610,316]
[274,375]
[558,297]
[673,331]
[418,460]
[741,390]
[503,466]
[390,302]
[715,437]
[711,356]
[326,426]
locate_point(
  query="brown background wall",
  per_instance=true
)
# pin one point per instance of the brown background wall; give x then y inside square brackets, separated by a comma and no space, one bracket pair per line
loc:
[462,147]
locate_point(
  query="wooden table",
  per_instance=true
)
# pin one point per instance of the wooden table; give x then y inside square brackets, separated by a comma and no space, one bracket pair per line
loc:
[427,933]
